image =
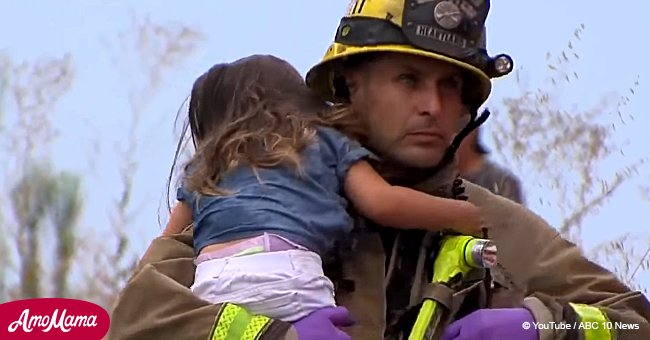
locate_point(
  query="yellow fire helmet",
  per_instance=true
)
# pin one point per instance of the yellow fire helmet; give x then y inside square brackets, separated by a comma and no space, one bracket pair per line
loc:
[448,30]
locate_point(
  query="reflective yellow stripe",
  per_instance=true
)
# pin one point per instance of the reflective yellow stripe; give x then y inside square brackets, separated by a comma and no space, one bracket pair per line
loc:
[594,317]
[223,323]
[235,323]
[255,326]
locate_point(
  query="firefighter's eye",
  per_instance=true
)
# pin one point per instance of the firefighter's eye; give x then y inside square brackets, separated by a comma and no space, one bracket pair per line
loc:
[453,82]
[409,79]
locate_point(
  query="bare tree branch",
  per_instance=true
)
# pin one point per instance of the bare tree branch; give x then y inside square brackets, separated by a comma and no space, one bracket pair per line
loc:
[576,217]
[564,150]
[145,53]
[29,92]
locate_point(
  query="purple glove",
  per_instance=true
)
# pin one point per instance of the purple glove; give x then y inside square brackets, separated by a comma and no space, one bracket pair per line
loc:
[493,324]
[322,324]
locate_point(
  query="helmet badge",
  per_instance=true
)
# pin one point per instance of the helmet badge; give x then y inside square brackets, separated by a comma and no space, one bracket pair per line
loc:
[448,15]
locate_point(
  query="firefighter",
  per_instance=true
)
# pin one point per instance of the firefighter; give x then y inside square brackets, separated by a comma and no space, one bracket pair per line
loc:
[475,165]
[412,69]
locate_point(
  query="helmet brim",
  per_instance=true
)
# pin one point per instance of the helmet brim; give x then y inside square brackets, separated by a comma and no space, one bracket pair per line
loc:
[320,77]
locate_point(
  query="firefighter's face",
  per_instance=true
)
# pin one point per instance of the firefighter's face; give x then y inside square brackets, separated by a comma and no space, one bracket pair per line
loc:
[412,106]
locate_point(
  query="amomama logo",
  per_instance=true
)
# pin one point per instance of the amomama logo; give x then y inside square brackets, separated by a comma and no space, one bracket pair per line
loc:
[52,318]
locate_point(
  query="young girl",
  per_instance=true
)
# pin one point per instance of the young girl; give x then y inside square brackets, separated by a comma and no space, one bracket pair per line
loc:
[267,190]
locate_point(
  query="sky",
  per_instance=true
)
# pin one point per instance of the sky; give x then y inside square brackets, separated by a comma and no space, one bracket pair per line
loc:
[95,110]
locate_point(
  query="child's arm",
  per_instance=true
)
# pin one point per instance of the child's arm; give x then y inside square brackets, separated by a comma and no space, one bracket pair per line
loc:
[405,208]
[180,218]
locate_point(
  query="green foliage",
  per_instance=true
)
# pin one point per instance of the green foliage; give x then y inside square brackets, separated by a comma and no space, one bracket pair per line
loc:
[65,208]
[41,196]
[31,198]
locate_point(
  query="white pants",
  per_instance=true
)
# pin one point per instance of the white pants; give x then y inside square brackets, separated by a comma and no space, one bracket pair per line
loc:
[285,285]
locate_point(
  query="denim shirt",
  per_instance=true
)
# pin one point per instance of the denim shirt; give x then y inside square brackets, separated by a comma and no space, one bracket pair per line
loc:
[308,209]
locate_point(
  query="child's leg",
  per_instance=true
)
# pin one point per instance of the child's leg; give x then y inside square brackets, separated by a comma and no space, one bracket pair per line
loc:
[285,285]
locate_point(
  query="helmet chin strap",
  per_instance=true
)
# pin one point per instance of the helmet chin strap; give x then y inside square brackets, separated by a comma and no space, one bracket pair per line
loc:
[475,121]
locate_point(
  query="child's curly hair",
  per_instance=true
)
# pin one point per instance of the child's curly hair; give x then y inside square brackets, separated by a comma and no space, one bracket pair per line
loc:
[256,111]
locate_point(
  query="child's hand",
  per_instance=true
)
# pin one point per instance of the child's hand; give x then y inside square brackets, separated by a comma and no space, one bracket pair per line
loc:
[471,220]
